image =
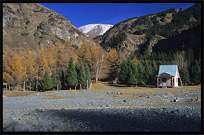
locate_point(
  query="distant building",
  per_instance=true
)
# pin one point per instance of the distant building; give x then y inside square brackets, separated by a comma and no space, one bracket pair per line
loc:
[168,76]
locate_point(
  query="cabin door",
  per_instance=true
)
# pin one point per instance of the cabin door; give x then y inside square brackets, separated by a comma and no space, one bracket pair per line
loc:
[164,84]
[168,82]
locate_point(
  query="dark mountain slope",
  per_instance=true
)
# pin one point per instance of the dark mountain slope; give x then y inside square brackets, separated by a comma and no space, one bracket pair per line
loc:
[145,32]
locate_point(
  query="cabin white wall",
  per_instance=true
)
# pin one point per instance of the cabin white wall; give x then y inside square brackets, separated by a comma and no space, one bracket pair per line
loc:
[175,82]
[176,78]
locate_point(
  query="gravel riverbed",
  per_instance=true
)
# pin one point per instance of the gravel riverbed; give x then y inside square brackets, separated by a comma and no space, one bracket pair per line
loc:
[100,111]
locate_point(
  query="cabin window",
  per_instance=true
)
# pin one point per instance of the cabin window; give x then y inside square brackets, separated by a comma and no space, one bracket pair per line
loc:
[163,79]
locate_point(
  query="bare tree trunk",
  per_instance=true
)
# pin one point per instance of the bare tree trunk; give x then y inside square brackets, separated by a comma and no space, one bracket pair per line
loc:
[97,68]
[24,86]
[99,65]
[30,86]
[87,84]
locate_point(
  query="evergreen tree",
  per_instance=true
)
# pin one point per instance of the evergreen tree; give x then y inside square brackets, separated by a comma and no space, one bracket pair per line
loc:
[190,55]
[154,72]
[185,76]
[141,74]
[56,81]
[130,79]
[133,80]
[195,72]
[81,75]
[62,79]
[87,73]
[46,82]
[71,75]
[123,72]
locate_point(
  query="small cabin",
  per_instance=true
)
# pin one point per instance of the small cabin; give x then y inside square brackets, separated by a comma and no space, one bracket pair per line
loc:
[168,76]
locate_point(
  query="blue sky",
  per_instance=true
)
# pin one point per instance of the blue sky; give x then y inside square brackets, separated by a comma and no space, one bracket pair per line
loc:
[108,13]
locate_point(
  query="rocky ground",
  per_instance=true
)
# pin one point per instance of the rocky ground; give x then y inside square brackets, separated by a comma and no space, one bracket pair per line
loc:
[101,111]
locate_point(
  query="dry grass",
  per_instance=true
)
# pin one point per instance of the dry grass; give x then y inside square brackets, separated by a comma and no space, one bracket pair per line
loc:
[17,93]
[132,92]
[52,97]
[97,86]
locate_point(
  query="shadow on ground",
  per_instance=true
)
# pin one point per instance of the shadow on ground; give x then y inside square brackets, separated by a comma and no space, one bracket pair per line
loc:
[99,120]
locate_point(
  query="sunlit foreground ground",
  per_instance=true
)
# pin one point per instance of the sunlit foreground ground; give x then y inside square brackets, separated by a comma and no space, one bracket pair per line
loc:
[104,108]
[129,92]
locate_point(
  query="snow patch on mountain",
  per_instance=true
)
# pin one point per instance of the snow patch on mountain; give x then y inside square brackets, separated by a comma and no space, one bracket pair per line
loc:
[93,30]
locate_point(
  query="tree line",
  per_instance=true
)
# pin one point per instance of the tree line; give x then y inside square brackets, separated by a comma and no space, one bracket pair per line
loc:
[142,69]
[36,67]
[64,66]
[76,76]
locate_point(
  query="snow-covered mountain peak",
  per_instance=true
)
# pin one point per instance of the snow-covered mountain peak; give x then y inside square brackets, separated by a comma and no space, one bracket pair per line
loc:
[93,30]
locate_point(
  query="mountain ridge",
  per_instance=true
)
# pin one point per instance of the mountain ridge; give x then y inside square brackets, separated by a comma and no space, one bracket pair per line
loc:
[131,35]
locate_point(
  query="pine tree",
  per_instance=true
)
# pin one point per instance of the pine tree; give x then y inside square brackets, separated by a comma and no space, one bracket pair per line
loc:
[141,72]
[130,79]
[87,73]
[134,75]
[123,72]
[71,75]
[195,72]
[81,75]
[46,82]
[62,79]
[185,76]
[56,81]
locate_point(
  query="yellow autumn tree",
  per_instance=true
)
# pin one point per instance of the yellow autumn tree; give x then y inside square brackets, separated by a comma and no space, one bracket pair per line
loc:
[16,71]
[84,53]
[50,57]
[6,69]
[72,53]
[97,62]
[29,63]
[113,63]
[42,63]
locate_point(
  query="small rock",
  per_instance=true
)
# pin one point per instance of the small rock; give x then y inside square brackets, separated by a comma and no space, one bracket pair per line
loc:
[175,100]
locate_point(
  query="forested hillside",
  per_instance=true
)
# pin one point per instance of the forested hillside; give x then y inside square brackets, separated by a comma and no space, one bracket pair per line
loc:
[150,33]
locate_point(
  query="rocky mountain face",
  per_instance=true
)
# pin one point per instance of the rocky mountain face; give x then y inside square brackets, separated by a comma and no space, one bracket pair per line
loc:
[154,32]
[93,30]
[30,25]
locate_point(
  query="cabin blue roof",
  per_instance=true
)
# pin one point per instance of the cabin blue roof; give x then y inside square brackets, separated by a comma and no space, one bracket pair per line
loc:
[170,69]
